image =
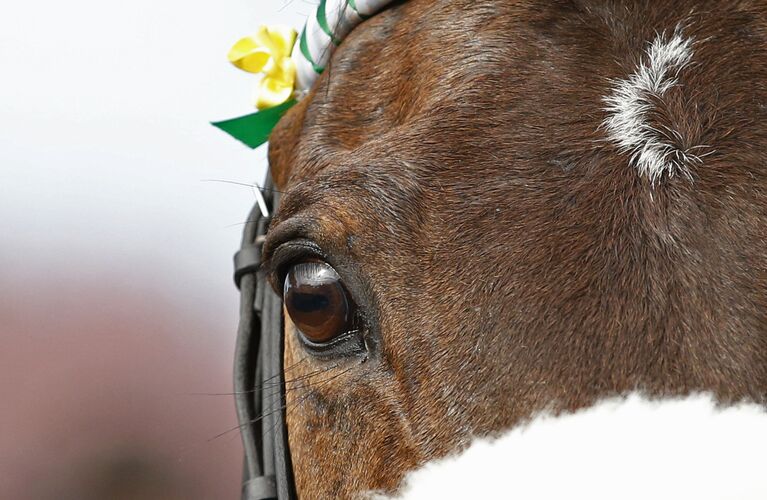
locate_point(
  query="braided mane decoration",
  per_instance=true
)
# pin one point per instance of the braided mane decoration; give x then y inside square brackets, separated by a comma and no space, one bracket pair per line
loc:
[323,32]
[288,75]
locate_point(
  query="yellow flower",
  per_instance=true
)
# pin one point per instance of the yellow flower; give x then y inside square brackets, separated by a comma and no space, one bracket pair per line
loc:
[268,52]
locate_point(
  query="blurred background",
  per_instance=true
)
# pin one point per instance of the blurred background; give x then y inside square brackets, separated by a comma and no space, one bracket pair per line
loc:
[117,308]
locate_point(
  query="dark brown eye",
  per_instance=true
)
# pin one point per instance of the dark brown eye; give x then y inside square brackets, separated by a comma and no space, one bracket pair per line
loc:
[317,302]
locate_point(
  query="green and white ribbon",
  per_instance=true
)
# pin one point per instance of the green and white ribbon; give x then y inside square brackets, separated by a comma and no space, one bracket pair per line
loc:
[288,75]
[324,31]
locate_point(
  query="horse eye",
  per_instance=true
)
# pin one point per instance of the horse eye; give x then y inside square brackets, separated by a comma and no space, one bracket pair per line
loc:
[317,302]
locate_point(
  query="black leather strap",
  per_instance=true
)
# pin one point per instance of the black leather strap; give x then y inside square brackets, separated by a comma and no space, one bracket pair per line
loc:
[260,488]
[267,469]
[246,261]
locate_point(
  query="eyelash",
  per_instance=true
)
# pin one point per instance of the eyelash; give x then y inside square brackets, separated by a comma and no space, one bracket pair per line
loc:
[287,254]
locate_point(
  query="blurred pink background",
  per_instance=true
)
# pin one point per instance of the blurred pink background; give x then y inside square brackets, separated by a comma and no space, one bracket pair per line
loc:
[117,308]
[99,373]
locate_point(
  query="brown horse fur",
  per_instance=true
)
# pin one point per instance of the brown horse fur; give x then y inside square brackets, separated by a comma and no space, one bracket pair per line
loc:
[455,163]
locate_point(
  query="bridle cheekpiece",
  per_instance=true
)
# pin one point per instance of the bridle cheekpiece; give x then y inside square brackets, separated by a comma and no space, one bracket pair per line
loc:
[288,65]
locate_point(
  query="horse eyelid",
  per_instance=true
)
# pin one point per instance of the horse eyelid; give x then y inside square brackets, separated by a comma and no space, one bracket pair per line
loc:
[287,254]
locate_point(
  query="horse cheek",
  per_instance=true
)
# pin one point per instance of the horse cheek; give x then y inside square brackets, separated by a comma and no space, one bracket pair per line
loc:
[345,438]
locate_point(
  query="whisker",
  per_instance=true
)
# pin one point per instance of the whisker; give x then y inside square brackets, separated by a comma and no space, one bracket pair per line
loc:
[249,221]
[244,184]
[278,387]
[280,408]
[286,370]
[299,402]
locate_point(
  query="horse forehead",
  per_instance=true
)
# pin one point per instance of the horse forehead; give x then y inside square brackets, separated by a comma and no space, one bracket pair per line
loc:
[404,64]
[424,77]
[438,92]
[399,73]
[414,99]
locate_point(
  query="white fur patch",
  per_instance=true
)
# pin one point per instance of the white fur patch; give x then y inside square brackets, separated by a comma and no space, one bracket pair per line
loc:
[630,101]
[619,449]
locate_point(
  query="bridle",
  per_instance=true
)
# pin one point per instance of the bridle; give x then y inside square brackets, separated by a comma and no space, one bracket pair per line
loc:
[259,383]
[258,375]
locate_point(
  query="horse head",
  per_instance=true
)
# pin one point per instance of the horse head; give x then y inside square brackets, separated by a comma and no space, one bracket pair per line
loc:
[492,209]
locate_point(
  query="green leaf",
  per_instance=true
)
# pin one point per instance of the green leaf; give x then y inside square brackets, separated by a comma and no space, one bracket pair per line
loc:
[254,129]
